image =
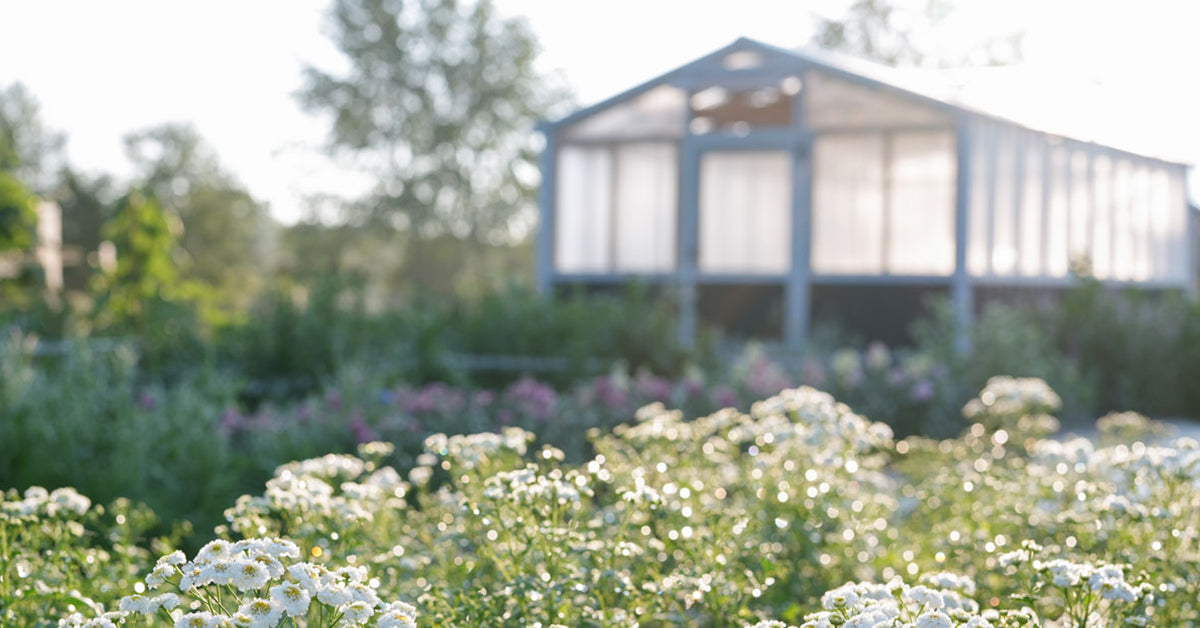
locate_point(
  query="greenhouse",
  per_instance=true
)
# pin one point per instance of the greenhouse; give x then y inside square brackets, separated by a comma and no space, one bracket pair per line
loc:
[762,186]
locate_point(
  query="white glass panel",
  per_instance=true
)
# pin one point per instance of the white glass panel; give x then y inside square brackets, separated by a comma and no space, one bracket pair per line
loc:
[1030,258]
[1124,226]
[921,203]
[847,220]
[1160,224]
[832,103]
[583,215]
[1080,216]
[1057,253]
[1004,233]
[1178,213]
[1102,217]
[659,112]
[646,184]
[1139,205]
[978,223]
[745,211]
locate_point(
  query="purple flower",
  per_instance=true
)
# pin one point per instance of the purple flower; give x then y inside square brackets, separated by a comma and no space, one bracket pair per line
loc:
[532,398]
[812,372]
[725,397]
[652,388]
[482,398]
[362,432]
[693,387]
[146,400]
[766,378]
[334,400]
[608,392]
[231,421]
[921,391]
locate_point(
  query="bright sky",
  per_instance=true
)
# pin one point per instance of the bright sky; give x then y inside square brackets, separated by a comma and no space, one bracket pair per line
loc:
[103,69]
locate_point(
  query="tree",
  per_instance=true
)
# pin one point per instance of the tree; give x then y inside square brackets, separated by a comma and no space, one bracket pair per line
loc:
[87,202]
[18,214]
[146,270]
[28,149]
[439,103]
[896,32]
[225,233]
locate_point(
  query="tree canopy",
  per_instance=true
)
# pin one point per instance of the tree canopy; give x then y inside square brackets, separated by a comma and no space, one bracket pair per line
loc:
[439,102]
[28,149]
[902,33]
[225,231]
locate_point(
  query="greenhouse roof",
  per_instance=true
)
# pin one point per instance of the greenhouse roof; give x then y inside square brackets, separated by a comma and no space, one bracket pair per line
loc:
[1056,103]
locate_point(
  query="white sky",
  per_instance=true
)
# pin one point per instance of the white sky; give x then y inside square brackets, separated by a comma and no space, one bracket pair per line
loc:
[103,69]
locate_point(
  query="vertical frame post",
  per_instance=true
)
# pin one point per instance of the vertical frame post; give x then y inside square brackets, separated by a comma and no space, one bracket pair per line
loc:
[689,201]
[546,225]
[960,288]
[798,290]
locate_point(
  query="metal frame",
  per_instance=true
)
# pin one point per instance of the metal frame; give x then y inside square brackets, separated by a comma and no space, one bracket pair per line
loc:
[778,63]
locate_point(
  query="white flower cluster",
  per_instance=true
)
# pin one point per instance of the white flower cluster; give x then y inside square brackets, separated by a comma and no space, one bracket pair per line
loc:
[820,421]
[1136,479]
[641,493]
[473,449]
[527,486]
[309,488]
[655,422]
[1107,581]
[269,591]
[327,466]
[950,582]
[39,501]
[1006,396]
[897,605]
[1130,427]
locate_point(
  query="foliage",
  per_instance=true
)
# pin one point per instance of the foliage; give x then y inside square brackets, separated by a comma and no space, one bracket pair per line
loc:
[1139,346]
[591,333]
[796,511]
[86,202]
[1013,340]
[18,215]
[83,419]
[438,102]
[62,553]
[146,270]
[899,32]
[224,230]
[731,518]
[257,582]
[28,149]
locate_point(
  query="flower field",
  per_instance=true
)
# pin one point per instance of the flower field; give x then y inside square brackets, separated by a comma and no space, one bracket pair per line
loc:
[798,512]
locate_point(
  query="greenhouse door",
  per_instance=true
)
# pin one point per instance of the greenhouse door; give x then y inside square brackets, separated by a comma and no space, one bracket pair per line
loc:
[744,211]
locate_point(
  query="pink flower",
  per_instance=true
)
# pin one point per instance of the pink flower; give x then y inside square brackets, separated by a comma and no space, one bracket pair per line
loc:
[725,397]
[362,432]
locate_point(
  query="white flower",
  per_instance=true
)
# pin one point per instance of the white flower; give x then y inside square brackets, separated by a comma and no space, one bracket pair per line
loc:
[357,612]
[263,613]
[307,575]
[926,597]
[200,619]
[934,619]
[397,615]
[334,594]
[360,592]
[248,575]
[292,597]
[215,550]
